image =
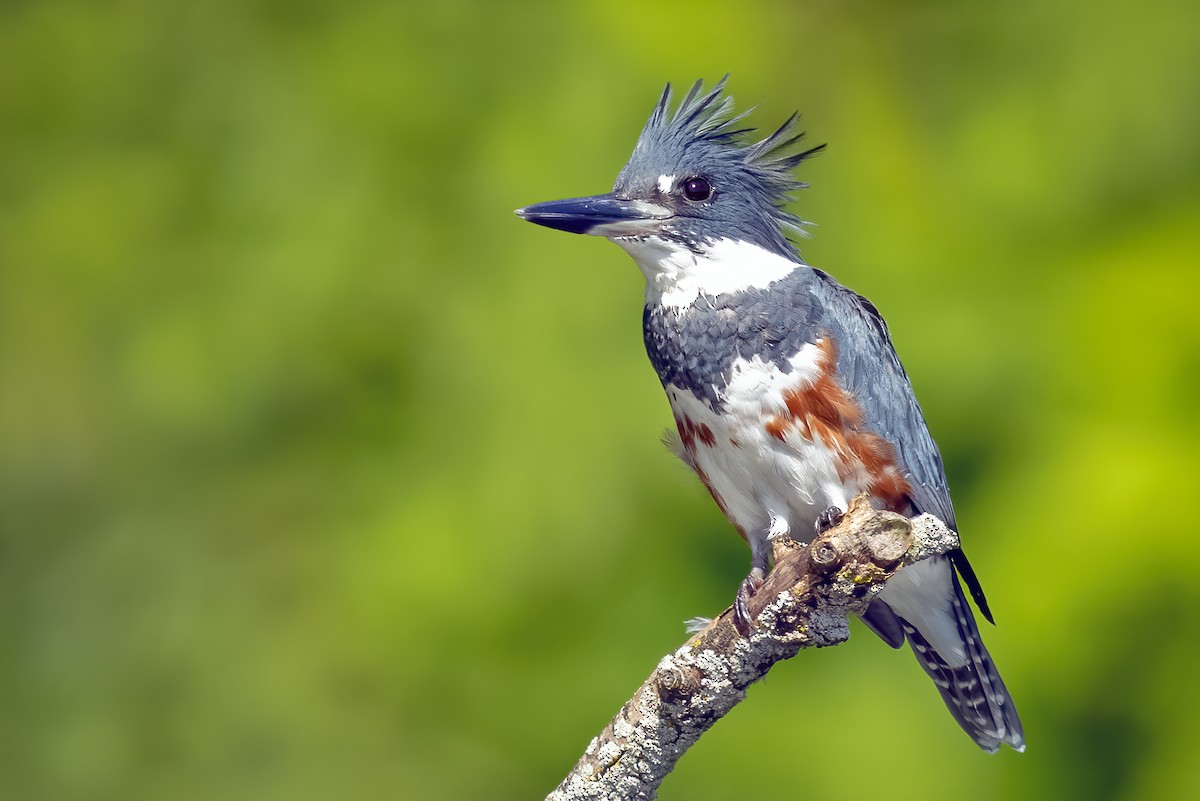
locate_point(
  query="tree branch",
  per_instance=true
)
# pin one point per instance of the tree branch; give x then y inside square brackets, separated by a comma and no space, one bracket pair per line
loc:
[803,603]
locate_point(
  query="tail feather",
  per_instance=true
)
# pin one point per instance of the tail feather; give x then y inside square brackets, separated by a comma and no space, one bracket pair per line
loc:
[974,693]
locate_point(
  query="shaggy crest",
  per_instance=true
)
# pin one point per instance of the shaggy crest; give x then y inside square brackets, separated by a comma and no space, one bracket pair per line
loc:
[703,129]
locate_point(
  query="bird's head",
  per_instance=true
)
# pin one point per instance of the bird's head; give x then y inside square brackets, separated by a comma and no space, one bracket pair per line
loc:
[696,178]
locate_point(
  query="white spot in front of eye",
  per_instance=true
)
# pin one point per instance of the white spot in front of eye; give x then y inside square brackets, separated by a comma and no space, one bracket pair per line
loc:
[665,182]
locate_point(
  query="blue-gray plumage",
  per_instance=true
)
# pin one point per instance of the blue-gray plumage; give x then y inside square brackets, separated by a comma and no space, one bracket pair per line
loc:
[787,392]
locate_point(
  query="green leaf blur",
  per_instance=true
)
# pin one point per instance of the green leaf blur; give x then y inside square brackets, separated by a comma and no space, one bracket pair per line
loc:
[323,476]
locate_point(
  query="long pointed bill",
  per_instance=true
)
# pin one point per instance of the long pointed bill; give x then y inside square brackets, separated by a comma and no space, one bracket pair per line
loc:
[599,215]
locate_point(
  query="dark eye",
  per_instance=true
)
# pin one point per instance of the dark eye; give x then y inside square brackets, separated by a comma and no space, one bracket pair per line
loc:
[697,189]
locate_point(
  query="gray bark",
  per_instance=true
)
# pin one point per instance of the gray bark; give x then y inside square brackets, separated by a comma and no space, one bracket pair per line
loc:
[804,603]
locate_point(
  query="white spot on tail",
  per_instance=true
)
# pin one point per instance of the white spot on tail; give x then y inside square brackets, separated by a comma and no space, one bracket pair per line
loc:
[922,594]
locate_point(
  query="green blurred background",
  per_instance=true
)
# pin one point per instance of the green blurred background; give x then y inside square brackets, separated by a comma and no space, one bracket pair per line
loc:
[324,476]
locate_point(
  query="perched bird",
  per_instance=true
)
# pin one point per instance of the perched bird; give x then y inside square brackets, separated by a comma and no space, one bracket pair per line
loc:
[787,393]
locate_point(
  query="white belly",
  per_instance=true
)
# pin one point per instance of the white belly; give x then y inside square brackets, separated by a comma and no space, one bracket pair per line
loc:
[764,485]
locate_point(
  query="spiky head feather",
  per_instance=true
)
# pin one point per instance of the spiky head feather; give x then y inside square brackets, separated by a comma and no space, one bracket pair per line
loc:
[703,137]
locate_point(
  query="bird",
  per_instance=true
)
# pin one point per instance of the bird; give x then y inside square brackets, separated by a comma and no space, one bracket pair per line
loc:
[787,394]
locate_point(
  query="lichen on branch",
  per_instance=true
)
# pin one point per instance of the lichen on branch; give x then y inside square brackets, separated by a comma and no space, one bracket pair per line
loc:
[804,602]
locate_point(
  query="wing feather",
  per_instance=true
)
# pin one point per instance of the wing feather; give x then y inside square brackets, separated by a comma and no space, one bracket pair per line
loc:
[871,371]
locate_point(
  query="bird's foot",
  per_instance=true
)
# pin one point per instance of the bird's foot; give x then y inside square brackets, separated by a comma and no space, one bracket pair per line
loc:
[828,519]
[741,602]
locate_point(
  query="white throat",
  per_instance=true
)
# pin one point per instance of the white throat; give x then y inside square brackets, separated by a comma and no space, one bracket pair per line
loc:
[676,276]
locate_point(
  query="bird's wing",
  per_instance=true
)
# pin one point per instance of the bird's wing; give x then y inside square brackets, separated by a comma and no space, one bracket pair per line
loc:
[869,368]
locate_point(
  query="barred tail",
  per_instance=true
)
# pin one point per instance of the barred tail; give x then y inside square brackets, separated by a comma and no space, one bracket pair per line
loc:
[974,692]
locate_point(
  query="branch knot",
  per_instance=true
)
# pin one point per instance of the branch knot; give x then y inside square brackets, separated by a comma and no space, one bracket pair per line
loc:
[804,602]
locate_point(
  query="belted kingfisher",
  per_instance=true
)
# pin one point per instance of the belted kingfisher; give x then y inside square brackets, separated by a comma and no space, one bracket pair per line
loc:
[788,396]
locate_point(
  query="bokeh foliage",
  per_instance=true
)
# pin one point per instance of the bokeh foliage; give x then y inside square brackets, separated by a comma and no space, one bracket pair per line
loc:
[323,476]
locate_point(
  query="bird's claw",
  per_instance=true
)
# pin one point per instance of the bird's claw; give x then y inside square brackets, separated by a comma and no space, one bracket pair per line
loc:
[742,620]
[828,519]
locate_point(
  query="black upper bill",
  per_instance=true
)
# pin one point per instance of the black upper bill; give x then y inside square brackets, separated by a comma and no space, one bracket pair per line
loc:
[599,214]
